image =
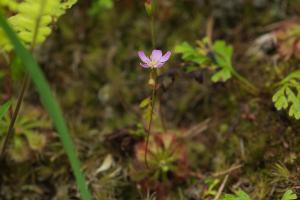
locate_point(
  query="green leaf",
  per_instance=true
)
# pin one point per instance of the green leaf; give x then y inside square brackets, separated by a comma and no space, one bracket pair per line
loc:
[4,108]
[2,74]
[145,102]
[50,104]
[25,16]
[99,5]
[223,53]
[222,75]
[223,56]
[288,95]
[239,195]
[36,141]
[189,53]
[289,195]
[280,100]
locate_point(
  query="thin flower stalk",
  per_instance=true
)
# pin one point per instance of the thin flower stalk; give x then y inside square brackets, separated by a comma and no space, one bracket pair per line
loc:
[154,62]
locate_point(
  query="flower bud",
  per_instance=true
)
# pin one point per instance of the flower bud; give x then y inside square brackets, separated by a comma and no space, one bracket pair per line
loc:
[151,82]
[149,7]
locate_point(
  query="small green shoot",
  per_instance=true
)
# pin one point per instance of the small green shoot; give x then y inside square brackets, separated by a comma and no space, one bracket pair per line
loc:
[212,187]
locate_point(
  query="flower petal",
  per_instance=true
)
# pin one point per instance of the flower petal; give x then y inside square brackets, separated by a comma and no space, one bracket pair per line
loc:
[159,65]
[166,57]
[144,65]
[143,57]
[156,55]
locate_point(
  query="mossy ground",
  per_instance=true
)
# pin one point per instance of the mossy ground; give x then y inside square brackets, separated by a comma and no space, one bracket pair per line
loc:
[93,68]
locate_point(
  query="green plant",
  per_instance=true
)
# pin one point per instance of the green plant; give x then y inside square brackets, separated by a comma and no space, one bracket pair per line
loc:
[211,187]
[216,57]
[1,75]
[49,102]
[280,173]
[167,164]
[100,5]
[287,96]
[27,138]
[239,195]
[32,20]
[289,195]
[4,108]
[166,155]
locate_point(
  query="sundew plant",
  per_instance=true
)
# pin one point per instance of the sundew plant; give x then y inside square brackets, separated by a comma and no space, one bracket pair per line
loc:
[150,99]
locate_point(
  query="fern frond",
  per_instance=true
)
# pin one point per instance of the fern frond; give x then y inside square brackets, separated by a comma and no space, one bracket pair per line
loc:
[289,195]
[287,96]
[10,4]
[33,19]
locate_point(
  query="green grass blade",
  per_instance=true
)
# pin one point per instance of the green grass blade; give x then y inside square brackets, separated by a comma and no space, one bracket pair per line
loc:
[4,108]
[50,104]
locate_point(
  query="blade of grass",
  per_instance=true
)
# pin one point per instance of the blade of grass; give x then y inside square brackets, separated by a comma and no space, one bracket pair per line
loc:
[4,108]
[50,104]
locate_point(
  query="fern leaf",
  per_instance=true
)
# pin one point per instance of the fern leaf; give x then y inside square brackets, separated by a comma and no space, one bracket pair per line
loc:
[10,4]
[33,19]
[289,195]
[287,96]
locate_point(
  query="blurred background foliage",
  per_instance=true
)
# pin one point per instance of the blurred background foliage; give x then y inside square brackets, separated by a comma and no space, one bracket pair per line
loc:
[91,62]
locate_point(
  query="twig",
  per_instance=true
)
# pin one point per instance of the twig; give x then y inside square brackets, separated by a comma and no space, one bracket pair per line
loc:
[233,168]
[221,188]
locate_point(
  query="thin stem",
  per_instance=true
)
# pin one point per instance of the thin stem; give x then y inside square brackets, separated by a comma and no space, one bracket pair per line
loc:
[153,36]
[152,73]
[150,121]
[10,131]
[153,31]
[161,114]
[252,88]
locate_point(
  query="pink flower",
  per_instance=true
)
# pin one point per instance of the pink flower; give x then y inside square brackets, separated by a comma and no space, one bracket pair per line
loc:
[156,60]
